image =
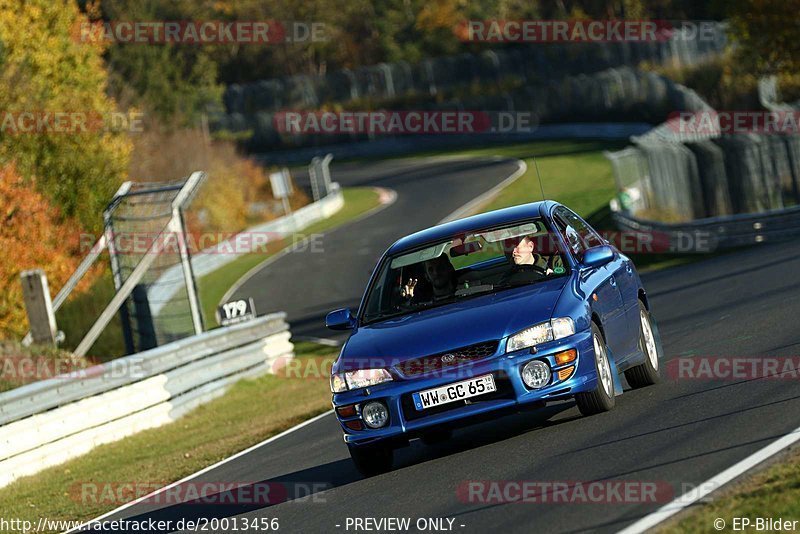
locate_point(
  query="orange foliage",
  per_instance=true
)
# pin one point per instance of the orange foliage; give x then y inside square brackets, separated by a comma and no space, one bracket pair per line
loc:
[234,181]
[33,234]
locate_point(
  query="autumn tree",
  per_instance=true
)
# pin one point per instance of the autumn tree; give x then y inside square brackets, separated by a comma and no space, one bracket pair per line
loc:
[47,69]
[33,234]
[766,34]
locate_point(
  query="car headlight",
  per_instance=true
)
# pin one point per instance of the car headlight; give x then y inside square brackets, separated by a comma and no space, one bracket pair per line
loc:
[541,333]
[338,383]
[360,378]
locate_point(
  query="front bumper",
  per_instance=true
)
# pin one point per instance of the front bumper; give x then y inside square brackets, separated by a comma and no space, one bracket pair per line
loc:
[406,422]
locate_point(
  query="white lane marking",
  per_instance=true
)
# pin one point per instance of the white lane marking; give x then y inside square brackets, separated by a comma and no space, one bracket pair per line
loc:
[202,471]
[712,484]
[473,204]
[386,197]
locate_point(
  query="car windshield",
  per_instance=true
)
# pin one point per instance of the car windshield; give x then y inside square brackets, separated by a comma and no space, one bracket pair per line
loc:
[462,267]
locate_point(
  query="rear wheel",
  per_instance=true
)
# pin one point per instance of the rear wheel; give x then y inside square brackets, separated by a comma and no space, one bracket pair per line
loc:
[602,398]
[646,373]
[372,459]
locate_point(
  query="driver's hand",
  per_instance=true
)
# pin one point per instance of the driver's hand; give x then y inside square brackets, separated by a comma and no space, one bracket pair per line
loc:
[407,291]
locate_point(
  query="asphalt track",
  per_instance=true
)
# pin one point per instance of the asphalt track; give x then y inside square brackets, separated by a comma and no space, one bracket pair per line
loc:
[676,434]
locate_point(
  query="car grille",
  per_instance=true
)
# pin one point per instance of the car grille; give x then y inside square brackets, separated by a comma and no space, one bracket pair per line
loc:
[445,360]
[504,391]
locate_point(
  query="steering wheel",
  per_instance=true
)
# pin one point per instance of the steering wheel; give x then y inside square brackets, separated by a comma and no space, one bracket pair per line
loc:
[539,270]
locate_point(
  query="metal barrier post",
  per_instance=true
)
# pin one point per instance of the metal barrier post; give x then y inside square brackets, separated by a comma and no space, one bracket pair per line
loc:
[313,177]
[41,316]
[326,172]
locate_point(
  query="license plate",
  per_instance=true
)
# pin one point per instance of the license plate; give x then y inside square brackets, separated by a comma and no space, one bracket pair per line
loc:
[454,392]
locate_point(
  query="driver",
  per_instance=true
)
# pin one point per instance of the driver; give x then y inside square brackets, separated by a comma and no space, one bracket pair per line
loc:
[527,264]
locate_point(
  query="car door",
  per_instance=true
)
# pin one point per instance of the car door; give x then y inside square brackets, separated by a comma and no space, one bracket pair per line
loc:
[625,279]
[600,284]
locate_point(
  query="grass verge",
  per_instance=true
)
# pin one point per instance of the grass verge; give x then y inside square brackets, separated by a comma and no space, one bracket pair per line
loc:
[771,493]
[250,412]
[574,173]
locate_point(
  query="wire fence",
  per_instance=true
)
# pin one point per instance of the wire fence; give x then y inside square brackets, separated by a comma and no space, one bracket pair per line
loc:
[145,295]
[135,221]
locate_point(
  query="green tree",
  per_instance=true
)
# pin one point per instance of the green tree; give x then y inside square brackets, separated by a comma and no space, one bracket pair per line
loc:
[177,82]
[47,69]
[766,33]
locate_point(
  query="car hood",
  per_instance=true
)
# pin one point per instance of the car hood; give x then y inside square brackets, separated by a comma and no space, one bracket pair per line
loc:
[482,318]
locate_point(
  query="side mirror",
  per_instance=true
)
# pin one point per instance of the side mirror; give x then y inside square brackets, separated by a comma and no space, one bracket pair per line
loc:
[598,256]
[341,319]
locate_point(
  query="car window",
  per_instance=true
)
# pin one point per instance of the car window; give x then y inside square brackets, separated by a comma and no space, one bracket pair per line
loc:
[576,232]
[570,236]
[462,267]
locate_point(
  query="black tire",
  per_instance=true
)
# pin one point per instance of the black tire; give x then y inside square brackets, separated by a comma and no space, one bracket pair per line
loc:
[599,400]
[436,436]
[645,374]
[372,459]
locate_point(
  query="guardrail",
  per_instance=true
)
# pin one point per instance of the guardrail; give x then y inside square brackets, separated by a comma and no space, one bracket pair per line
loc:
[717,233]
[729,190]
[49,422]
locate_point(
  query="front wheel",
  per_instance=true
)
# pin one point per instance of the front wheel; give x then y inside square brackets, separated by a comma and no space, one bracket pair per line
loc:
[602,398]
[646,373]
[372,459]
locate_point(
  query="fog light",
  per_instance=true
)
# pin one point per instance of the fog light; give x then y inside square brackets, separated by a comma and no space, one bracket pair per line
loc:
[375,414]
[566,373]
[536,374]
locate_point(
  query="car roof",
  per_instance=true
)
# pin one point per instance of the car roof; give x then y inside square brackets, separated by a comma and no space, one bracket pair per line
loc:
[481,221]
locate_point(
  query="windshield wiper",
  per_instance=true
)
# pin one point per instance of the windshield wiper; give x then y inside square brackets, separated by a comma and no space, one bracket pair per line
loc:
[419,308]
[384,316]
[467,291]
[520,283]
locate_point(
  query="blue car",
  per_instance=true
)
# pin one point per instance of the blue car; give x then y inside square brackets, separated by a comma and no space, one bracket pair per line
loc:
[478,317]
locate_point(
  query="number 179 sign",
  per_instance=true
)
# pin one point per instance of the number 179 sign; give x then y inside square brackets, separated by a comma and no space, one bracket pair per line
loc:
[236,311]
